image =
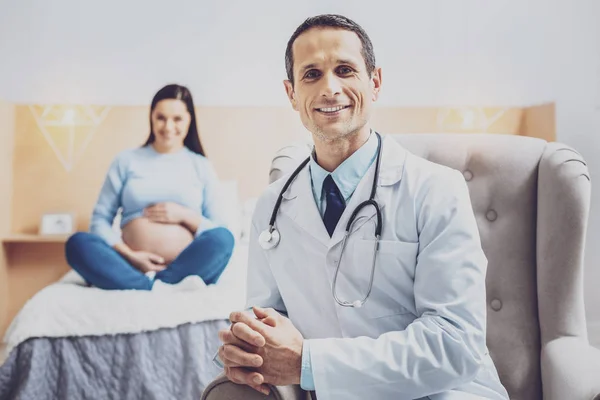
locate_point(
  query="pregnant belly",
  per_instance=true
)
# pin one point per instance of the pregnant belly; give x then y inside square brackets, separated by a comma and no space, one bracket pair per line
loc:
[165,240]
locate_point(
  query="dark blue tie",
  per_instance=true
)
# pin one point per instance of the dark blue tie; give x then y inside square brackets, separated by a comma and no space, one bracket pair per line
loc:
[334,204]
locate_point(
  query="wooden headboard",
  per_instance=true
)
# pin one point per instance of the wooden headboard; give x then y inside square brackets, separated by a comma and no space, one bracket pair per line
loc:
[239,141]
[49,172]
[7,127]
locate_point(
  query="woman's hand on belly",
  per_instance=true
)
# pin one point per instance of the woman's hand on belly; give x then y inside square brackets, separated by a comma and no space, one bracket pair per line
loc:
[173,213]
[167,213]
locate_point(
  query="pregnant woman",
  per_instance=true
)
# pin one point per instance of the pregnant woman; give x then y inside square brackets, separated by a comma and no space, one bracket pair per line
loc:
[171,226]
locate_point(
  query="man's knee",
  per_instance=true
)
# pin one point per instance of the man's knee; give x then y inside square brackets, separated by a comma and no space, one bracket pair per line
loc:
[227,390]
[223,389]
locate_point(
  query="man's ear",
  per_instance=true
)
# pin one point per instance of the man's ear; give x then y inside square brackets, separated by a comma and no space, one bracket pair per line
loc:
[376,83]
[289,90]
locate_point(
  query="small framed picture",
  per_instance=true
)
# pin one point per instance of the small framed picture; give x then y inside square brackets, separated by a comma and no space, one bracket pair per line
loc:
[57,224]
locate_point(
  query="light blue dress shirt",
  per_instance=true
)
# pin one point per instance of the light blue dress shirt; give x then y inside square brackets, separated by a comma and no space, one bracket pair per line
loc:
[140,177]
[346,176]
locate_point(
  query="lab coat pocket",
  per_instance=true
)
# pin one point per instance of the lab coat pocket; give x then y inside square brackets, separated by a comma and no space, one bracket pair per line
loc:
[392,292]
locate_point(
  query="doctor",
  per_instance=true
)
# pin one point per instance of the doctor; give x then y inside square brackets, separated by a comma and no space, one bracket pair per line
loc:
[419,328]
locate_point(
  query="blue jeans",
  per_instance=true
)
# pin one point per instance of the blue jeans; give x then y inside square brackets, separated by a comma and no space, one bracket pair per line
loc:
[101,265]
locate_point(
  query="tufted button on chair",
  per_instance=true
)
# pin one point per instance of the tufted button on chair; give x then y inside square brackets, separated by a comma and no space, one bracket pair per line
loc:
[531,201]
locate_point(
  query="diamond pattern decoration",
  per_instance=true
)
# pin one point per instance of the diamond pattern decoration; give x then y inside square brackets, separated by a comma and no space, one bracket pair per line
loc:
[460,119]
[68,129]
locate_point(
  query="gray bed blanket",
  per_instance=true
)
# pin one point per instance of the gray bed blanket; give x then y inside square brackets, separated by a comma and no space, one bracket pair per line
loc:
[170,363]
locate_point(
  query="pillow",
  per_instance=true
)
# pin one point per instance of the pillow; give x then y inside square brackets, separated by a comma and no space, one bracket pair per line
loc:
[246,219]
[231,210]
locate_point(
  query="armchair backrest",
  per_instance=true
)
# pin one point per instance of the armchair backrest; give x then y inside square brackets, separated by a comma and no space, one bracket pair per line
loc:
[531,202]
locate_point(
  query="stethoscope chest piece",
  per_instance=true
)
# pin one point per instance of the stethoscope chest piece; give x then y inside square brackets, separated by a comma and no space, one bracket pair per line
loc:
[269,238]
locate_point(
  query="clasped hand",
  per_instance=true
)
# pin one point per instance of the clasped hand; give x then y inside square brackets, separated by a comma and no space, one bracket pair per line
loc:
[261,349]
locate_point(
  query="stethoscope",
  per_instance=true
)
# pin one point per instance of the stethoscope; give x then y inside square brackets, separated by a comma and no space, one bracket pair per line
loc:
[270,237]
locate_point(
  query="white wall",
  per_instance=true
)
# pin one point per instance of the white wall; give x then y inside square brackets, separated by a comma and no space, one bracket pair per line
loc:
[510,52]
[433,52]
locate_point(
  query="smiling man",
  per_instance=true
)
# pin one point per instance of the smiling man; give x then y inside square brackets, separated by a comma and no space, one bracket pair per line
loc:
[409,323]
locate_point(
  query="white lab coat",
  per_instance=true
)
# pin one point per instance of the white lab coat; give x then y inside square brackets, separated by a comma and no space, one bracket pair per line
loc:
[422,331]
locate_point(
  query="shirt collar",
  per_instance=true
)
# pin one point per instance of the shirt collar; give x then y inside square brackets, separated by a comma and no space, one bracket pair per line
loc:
[349,173]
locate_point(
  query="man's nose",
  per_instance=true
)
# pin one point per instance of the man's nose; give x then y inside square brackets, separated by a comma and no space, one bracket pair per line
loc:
[331,85]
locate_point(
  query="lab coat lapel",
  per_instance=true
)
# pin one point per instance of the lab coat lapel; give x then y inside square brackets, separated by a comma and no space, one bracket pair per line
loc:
[302,209]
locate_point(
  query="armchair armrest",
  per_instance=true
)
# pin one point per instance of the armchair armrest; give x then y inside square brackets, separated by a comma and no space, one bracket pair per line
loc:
[570,370]
[223,389]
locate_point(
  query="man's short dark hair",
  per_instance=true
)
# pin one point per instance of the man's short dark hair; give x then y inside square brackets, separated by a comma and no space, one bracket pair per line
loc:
[330,21]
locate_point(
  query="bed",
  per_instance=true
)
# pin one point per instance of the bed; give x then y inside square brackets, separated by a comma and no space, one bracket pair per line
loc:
[72,341]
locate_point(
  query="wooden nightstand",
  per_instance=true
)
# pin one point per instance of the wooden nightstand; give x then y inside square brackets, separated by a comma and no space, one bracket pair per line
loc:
[33,262]
[32,238]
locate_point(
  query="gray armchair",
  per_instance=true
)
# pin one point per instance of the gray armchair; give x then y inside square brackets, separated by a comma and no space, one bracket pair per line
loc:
[531,201]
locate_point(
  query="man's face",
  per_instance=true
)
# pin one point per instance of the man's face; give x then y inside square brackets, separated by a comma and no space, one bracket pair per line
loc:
[332,91]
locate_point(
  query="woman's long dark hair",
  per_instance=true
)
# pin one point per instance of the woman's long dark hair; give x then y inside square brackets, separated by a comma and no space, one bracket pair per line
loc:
[178,92]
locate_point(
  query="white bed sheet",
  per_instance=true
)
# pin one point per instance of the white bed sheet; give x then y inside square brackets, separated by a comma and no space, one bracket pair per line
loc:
[69,308]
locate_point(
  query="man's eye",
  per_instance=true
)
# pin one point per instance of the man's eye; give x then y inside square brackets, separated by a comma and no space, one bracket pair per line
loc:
[312,74]
[344,70]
